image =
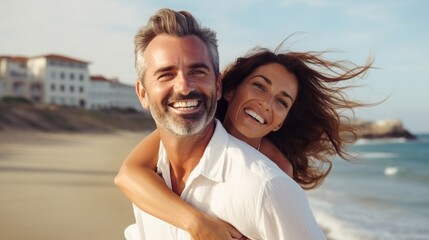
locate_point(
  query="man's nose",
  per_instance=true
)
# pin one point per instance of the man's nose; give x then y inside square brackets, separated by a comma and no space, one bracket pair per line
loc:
[184,84]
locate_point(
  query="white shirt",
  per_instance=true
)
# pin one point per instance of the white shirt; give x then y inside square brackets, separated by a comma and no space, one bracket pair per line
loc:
[239,185]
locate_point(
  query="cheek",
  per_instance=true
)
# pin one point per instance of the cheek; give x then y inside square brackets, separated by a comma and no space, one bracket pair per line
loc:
[245,94]
[280,115]
[160,90]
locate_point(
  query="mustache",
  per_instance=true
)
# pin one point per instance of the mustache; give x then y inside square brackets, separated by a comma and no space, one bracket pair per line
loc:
[192,95]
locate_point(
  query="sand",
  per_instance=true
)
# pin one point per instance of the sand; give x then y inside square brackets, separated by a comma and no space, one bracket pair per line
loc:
[60,186]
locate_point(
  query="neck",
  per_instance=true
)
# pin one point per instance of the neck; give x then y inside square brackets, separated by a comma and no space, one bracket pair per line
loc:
[254,142]
[184,153]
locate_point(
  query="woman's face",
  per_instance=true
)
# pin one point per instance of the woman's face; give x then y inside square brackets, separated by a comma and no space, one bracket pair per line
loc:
[261,102]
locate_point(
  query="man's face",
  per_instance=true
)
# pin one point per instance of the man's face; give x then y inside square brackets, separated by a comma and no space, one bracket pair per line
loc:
[180,86]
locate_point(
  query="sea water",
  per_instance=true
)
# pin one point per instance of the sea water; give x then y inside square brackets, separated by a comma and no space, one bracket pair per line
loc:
[383,194]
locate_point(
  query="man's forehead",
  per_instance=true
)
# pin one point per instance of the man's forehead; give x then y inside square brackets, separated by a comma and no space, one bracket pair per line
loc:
[165,50]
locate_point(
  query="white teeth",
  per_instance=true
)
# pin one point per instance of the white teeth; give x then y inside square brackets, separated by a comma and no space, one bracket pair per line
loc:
[255,116]
[185,104]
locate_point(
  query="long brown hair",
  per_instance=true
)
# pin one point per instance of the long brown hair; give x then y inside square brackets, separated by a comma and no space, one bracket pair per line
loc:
[312,133]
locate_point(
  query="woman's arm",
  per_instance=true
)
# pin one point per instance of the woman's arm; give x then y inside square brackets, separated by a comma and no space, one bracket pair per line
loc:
[275,155]
[138,180]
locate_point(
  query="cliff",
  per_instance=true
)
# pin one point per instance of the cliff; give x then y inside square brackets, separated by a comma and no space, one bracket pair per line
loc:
[388,128]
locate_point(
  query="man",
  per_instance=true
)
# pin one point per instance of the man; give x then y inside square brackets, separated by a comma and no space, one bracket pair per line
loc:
[178,66]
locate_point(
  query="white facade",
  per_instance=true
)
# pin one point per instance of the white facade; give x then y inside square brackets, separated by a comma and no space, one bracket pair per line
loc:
[109,93]
[65,80]
[15,79]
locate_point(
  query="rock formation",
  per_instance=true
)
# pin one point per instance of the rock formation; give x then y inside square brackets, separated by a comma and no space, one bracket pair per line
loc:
[387,128]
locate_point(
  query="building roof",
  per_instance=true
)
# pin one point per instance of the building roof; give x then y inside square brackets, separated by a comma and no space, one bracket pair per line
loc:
[15,58]
[62,58]
[113,81]
[99,78]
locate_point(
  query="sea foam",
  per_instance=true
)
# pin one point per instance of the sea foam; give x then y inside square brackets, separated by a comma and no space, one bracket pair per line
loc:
[390,171]
[376,155]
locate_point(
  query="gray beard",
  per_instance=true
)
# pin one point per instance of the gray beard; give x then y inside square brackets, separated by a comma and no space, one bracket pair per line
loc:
[183,127]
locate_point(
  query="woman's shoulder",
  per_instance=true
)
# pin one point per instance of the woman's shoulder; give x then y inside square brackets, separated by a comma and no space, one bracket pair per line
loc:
[277,156]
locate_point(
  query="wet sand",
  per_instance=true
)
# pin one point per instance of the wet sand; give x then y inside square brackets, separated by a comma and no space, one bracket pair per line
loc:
[60,186]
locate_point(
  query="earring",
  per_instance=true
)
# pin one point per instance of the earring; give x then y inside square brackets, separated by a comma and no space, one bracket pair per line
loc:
[280,126]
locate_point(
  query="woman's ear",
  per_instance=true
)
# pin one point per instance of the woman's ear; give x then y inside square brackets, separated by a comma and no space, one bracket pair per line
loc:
[228,95]
[278,127]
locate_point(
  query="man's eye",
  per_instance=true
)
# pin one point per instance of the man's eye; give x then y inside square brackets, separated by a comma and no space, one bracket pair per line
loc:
[198,73]
[165,76]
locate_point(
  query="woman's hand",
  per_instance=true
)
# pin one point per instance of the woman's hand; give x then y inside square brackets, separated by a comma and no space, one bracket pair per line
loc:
[210,228]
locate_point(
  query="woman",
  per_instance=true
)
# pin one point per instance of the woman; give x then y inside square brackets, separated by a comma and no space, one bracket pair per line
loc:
[284,104]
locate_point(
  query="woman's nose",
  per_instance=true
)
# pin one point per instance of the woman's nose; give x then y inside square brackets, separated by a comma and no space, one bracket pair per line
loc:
[266,104]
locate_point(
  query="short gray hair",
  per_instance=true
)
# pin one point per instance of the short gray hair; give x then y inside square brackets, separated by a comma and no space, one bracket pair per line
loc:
[174,23]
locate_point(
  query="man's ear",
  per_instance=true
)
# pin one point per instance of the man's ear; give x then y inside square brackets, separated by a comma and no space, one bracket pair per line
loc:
[219,86]
[141,94]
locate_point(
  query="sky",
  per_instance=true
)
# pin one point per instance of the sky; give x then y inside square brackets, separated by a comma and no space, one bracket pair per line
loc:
[395,33]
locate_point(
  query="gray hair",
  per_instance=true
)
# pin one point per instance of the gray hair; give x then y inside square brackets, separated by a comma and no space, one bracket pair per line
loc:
[167,21]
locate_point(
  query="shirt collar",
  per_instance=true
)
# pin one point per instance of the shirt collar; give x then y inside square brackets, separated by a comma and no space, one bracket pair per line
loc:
[213,160]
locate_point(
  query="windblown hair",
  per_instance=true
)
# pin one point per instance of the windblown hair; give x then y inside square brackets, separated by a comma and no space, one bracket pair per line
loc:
[174,23]
[312,133]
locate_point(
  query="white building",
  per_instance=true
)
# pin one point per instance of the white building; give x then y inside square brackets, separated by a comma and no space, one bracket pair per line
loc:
[15,79]
[110,93]
[65,80]
[61,80]
[51,79]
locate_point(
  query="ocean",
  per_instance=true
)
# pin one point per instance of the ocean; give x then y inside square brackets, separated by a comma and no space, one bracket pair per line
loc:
[383,194]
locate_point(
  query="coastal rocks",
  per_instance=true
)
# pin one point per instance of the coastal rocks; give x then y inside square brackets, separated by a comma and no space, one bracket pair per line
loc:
[388,128]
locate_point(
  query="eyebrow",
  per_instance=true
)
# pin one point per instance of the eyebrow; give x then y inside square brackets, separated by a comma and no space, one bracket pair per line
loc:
[163,69]
[199,65]
[192,66]
[268,81]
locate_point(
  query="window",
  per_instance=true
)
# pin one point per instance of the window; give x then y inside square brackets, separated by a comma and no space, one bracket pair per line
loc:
[18,88]
[81,77]
[71,88]
[62,75]
[81,89]
[71,76]
[53,87]
[62,88]
[53,75]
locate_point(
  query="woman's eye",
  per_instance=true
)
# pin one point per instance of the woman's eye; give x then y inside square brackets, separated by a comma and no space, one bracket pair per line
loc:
[259,86]
[282,103]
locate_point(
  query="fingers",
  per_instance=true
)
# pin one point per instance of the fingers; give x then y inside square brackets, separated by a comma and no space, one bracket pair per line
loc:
[235,234]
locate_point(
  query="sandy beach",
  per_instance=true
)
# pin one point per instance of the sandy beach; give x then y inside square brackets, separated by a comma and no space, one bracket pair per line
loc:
[60,185]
